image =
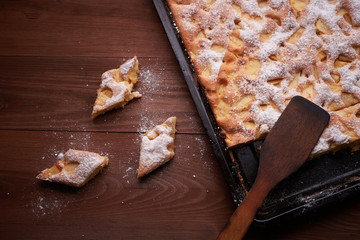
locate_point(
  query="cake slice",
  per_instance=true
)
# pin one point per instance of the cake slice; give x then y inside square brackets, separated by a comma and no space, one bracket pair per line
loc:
[157,147]
[75,168]
[116,87]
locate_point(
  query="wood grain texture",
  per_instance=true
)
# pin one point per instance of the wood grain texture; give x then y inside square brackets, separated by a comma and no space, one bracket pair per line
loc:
[81,28]
[187,196]
[52,54]
[27,83]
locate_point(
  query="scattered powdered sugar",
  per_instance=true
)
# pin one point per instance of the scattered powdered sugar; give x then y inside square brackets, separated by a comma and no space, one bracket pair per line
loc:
[311,200]
[145,124]
[200,146]
[150,81]
[52,153]
[42,206]
[129,169]
[129,174]
[76,140]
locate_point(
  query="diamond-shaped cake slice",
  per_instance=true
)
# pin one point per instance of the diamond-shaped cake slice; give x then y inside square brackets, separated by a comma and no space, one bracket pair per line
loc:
[76,168]
[116,87]
[157,147]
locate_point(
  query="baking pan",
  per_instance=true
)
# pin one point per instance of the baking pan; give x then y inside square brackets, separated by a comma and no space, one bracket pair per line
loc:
[318,184]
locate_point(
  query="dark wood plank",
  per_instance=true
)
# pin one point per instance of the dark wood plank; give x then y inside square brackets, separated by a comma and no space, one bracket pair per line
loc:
[109,28]
[52,54]
[47,93]
[185,199]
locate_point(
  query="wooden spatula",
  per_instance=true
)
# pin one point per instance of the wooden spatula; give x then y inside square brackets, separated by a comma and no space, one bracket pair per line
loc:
[285,149]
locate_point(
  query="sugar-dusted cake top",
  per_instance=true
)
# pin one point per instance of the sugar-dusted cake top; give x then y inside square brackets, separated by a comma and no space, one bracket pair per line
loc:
[253,56]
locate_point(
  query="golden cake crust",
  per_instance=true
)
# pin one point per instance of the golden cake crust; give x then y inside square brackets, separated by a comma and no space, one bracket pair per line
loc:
[253,56]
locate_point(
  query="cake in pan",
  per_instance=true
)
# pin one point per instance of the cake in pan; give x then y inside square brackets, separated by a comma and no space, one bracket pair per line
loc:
[253,56]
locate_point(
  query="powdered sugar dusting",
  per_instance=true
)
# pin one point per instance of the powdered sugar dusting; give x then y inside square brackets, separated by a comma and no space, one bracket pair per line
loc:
[125,68]
[154,147]
[355,11]
[215,22]
[331,135]
[214,59]
[150,82]
[350,79]
[265,118]
[145,123]
[121,90]
[88,162]
[42,206]
[312,52]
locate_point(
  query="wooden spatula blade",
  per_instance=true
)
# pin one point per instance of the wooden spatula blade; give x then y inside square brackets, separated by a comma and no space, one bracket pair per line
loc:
[285,149]
[292,138]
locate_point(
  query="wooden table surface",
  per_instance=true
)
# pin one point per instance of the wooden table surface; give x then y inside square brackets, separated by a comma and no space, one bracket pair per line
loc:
[52,54]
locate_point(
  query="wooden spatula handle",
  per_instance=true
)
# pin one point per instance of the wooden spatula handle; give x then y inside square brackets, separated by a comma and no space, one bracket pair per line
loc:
[286,148]
[242,218]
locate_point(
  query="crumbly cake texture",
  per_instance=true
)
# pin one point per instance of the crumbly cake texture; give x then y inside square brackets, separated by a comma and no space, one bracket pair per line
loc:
[116,87]
[157,147]
[76,168]
[253,56]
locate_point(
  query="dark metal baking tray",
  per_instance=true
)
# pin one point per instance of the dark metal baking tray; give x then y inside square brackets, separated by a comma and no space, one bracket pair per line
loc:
[317,184]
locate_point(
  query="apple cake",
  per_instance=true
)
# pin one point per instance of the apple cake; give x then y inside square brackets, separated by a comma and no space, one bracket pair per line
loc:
[75,168]
[253,56]
[157,147]
[116,87]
